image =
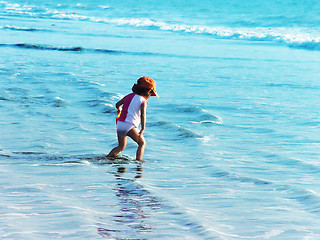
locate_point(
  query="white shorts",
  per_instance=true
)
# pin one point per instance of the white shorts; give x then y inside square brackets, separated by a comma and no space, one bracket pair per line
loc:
[123,128]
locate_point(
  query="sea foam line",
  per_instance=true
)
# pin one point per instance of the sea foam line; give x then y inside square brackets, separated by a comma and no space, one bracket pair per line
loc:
[17,28]
[291,37]
[80,49]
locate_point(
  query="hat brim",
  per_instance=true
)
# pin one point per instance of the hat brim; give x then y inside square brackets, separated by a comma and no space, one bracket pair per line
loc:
[154,93]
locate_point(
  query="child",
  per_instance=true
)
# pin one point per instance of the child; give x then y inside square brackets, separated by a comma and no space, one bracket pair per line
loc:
[133,114]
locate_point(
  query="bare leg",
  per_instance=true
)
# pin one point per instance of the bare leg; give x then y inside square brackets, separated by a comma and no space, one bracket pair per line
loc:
[122,142]
[139,139]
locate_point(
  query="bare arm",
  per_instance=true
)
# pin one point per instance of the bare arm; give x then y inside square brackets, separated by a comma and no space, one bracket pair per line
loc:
[143,117]
[119,104]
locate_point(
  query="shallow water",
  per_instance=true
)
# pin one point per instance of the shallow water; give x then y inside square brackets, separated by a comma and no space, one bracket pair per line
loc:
[232,142]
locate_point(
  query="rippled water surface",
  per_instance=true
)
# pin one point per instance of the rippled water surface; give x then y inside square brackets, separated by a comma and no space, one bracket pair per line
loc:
[232,142]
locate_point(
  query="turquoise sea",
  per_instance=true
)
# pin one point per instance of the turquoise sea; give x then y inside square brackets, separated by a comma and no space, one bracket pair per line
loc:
[233,142]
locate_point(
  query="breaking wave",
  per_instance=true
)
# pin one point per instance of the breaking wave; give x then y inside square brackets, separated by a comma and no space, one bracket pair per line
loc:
[58,48]
[293,37]
[25,29]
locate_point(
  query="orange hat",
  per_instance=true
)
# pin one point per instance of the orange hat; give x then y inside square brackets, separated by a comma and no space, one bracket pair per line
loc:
[149,83]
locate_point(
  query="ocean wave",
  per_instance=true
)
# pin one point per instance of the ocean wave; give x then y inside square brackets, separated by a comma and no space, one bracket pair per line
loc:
[290,86]
[188,122]
[310,45]
[199,115]
[63,49]
[310,199]
[180,131]
[306,197]
[237,178]
[105,106]
[64,159]
[59,102]
[47,47]
[80,49]
[26,29]
[290,36]
[208,119]
[104,6]
[294,38]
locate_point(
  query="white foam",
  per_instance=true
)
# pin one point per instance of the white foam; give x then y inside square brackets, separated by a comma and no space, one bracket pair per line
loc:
[80,5]
[59,98]
[97,83]
[293,37]
[104,7]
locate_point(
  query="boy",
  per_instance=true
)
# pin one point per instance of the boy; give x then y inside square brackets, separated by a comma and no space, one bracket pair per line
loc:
[133,114]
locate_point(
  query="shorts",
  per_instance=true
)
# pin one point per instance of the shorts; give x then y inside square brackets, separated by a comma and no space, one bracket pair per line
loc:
[123,128]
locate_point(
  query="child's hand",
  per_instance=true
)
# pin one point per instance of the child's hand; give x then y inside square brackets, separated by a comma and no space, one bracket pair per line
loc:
[141,132]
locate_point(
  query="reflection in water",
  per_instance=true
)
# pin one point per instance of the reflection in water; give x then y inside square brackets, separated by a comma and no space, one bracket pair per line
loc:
[136,205]
[122,169]
[106,233]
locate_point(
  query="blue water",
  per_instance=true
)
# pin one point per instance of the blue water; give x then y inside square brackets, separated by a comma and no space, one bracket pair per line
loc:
[232,143]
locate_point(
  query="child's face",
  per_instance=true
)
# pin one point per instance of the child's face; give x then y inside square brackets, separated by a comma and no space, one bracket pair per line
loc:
[149,93]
